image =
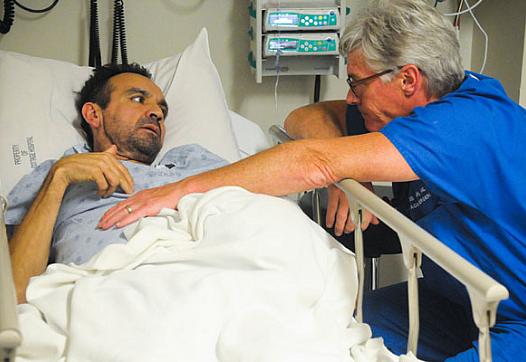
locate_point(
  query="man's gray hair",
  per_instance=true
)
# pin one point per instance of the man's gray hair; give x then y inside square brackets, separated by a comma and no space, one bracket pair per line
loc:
[392,33]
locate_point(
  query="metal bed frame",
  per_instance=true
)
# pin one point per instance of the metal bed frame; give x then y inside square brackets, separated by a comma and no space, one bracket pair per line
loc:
[484,292]
[10,336]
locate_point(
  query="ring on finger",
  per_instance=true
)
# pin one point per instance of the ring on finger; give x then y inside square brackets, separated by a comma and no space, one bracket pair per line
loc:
[129,209]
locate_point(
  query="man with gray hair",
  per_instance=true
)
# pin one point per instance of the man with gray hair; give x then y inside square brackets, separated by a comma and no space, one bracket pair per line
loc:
[457,132]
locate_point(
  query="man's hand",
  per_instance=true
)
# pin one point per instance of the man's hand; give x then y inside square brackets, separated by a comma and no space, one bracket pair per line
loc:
[103,168]
[144,203]
[338,213]
[30,244]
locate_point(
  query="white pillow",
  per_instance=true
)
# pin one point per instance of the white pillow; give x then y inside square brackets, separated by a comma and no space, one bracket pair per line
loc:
[249,136]
[39,120]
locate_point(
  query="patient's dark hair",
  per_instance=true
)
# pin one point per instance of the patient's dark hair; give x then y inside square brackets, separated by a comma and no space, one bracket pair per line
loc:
[97,89]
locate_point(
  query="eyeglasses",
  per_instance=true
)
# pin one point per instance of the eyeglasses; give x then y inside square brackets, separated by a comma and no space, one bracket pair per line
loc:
[354,83]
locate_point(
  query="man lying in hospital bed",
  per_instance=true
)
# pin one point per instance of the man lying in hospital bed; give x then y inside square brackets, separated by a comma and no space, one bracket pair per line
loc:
[230,276]
[457,131]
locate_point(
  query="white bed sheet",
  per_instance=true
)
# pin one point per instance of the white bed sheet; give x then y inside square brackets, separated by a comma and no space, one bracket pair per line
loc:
[233,276]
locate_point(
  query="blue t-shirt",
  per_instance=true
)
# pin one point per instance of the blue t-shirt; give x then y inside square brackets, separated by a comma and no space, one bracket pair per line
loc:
[469,149]
[76,237]
[412,199]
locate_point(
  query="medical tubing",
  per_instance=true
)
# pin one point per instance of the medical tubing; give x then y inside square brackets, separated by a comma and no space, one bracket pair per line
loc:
[37,11]
[277,66]
[9,16]
[276,63]
[456,20]
[483,66]
[94,45]
[469,8]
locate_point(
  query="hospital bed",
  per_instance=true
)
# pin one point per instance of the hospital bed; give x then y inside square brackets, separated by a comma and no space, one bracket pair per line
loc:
[484,292]
[249,138]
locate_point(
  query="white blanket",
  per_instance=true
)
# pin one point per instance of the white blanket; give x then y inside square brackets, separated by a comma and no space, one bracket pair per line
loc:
[232,276]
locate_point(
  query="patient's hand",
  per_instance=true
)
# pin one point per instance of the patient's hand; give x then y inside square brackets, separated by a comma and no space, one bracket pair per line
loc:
[143,203]
[338,213]
[103,168]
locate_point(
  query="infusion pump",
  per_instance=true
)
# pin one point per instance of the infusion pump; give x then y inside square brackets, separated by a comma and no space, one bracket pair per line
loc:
[296,37]
[300,44]
[301,19]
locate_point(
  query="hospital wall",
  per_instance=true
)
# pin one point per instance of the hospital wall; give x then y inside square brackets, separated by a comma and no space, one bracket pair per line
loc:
[160,28]
[505,23]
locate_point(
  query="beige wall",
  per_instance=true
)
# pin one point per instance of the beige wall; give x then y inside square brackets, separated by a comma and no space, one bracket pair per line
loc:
[504,21]
[522,95]
[159,28]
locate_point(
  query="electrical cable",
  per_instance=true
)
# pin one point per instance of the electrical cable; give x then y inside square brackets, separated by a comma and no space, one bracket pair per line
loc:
[317,86]
[483,32]
[122,32]
[9,16]
[119,33]
[94,58]
[469,9]
[9,13]
[37,11]
[456,20]
[115,35]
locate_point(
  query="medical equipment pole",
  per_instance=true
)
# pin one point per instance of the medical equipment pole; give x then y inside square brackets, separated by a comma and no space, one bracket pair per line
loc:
[10,337]
[316,199]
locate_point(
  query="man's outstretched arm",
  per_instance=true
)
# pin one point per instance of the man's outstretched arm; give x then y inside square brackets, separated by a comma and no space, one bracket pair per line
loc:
[287,168]
[29,247]
[327,119]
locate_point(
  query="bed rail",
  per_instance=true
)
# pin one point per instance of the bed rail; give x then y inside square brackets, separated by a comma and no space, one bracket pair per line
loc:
[484,292]
[10,337]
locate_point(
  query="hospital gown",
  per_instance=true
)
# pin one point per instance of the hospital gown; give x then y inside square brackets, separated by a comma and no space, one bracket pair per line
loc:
[76,237]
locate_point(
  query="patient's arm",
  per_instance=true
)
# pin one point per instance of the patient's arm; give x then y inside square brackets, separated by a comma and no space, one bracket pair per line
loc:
[318,120]
[30,244]
[284,169]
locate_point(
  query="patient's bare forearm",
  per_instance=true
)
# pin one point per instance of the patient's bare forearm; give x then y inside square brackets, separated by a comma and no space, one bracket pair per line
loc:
[30,244]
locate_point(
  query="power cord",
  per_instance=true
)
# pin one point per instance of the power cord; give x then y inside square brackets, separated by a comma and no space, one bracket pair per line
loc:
[486,41]
[37,11]
[9,13]
[456,23]
[9,16]
[119,33]
[469,9]
[94,58]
